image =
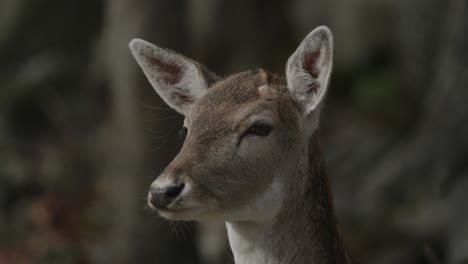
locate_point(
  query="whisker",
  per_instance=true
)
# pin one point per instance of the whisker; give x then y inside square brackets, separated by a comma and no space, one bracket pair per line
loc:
[155,217]
[155,131]
[158,107]
[186,229]
[161,145]
[160,118]
[172,229]
[143,198]
[161,137]
[164,141]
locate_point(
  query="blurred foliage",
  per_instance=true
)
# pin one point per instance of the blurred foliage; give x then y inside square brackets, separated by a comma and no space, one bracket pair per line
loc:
[376,93]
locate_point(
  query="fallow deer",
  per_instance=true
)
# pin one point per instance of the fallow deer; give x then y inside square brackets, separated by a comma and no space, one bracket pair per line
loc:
[251,155]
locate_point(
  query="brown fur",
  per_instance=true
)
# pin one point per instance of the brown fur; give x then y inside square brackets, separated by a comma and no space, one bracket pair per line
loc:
[313,230]
[306,219]
[237,94]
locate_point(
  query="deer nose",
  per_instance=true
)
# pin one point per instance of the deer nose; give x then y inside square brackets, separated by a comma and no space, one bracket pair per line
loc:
[162,196]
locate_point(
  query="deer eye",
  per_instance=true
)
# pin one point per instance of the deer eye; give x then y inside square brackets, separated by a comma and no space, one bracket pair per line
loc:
[183,133]
[261,130]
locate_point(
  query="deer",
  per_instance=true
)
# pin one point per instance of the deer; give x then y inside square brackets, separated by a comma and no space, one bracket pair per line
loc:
[251,155]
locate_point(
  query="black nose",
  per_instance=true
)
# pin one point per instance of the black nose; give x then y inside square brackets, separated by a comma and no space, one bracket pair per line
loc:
[161,197]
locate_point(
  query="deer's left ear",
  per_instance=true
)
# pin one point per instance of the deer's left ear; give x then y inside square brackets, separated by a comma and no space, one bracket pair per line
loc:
[178,80]
[309,67]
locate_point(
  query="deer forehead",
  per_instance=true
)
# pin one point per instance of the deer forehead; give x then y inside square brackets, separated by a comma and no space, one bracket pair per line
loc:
[238,99]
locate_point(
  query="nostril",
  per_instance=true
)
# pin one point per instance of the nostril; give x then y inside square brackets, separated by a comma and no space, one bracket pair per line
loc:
[161,197]
[174,191]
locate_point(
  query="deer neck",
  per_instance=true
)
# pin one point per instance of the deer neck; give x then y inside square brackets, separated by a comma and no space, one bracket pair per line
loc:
[304,231]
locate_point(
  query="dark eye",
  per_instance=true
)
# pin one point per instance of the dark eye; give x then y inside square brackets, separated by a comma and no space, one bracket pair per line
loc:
[261,130]
[183,133]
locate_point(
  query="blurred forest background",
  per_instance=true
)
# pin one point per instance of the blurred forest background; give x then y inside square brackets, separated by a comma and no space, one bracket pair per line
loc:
[83,134]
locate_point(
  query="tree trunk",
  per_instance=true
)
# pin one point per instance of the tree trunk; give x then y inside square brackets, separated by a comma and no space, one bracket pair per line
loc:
[135,236]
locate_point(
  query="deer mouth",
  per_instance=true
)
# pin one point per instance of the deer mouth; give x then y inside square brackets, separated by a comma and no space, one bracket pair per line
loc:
[175,210]
[181,214]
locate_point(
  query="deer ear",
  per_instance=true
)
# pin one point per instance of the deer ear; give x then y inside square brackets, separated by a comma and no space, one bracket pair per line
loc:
[309,67]
[178,80]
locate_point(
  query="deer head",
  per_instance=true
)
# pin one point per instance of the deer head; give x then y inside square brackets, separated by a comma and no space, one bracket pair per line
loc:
[247,135]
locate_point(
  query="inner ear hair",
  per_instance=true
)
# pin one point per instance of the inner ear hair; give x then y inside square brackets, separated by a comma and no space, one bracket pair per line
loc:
[309,67]
[178,80]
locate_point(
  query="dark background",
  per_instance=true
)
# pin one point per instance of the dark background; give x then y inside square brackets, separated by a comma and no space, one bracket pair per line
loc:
[82,133]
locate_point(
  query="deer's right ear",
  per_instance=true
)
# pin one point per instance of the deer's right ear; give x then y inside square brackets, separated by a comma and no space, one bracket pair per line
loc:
[178,80]
[308,69]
